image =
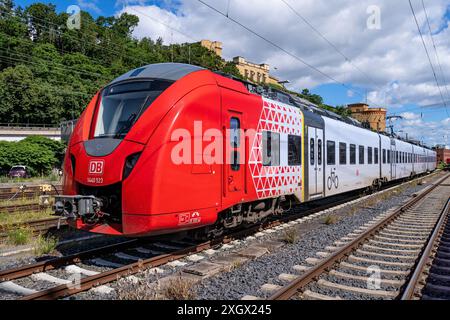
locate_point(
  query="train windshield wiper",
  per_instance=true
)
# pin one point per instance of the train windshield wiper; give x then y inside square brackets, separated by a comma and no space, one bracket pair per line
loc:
[126,126]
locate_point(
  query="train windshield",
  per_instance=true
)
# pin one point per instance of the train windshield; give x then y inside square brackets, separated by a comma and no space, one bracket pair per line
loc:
[121,106]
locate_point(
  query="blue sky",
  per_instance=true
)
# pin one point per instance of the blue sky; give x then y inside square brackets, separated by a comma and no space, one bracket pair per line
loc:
[404,94]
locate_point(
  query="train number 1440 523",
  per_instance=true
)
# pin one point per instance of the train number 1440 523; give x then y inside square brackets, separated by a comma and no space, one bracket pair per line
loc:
[95,180]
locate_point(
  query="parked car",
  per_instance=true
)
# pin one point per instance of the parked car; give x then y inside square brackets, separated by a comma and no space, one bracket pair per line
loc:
[19,172]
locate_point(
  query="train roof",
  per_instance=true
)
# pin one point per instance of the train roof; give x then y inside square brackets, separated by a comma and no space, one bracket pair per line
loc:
[311,110]
[176,71]
[166,71]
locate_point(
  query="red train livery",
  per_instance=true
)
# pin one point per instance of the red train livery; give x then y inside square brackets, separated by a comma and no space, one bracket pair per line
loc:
[127,169]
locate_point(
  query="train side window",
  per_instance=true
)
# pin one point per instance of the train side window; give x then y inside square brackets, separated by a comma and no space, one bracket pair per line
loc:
[312,151]
[384,156]
[319,152]
[361,154]
[235,135]
[370,154]
[396,156]
[271,148]
[235,160]
[294,150]
[342,153]
[331,152]
[352,154]
[376,156]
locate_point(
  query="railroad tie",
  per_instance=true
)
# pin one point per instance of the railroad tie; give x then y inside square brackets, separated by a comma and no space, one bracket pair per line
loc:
[12,287]
[336,286]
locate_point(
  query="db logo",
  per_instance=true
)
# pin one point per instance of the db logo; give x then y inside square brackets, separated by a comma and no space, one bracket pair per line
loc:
[96,166]
[189,218]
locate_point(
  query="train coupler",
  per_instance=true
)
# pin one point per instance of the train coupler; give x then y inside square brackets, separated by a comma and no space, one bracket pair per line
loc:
[73,207]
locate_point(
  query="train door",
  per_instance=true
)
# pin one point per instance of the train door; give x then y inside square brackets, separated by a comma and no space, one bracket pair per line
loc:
[394,159]
[235,165]
[315,162]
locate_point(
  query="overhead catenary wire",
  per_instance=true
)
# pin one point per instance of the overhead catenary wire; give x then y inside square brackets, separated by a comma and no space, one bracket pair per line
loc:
[296,57]
[321,35]
[52,64]
[57,89]
[163,23]
[428,55]
[75,39]
[435,50]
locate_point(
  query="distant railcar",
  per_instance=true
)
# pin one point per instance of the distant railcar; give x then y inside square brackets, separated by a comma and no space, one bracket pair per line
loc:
[126,171]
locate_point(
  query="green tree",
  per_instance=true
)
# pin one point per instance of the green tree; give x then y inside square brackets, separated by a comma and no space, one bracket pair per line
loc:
[39,159]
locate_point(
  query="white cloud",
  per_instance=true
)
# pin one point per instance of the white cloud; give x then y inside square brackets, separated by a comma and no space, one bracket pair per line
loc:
[410,115]
[89,5]
[393,57]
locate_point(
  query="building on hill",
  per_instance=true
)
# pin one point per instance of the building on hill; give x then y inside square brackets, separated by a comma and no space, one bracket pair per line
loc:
[375,117]
[214,46]
[257,73]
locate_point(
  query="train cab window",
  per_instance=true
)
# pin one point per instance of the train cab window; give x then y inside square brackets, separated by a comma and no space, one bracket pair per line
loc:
[384,156]
[271,148]
[361,154]
[312,151]
[342,153]
[235,134]
[376,156]
[121,105]
[352,154]
[294,150]
[331,152]
[319,152]
[369,155]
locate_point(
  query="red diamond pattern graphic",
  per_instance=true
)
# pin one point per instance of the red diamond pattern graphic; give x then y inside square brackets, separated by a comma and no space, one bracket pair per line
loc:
[275,181]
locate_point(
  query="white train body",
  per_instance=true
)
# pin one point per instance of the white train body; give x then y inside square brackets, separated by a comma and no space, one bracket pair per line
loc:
[342,157]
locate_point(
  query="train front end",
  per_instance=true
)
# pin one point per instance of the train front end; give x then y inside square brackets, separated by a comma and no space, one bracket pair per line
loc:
[111,164]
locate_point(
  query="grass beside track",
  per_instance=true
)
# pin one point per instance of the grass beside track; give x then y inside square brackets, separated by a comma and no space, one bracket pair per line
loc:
[8,220]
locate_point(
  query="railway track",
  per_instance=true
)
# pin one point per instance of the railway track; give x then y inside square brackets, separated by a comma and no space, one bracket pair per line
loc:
[376,261]
[37,226]
[431,277]
[28,192]
[18,208]
[126,261]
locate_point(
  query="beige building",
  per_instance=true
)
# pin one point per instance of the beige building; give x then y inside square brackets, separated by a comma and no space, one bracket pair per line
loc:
[376,117]
[258,73]
[214,46]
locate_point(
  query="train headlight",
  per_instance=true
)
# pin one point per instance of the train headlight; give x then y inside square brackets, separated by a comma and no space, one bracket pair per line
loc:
[130,162]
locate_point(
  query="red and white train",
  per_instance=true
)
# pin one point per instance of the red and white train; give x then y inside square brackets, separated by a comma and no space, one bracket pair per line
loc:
[123,174]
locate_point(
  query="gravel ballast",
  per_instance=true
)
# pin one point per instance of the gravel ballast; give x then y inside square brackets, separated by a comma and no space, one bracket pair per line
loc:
[315,235]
